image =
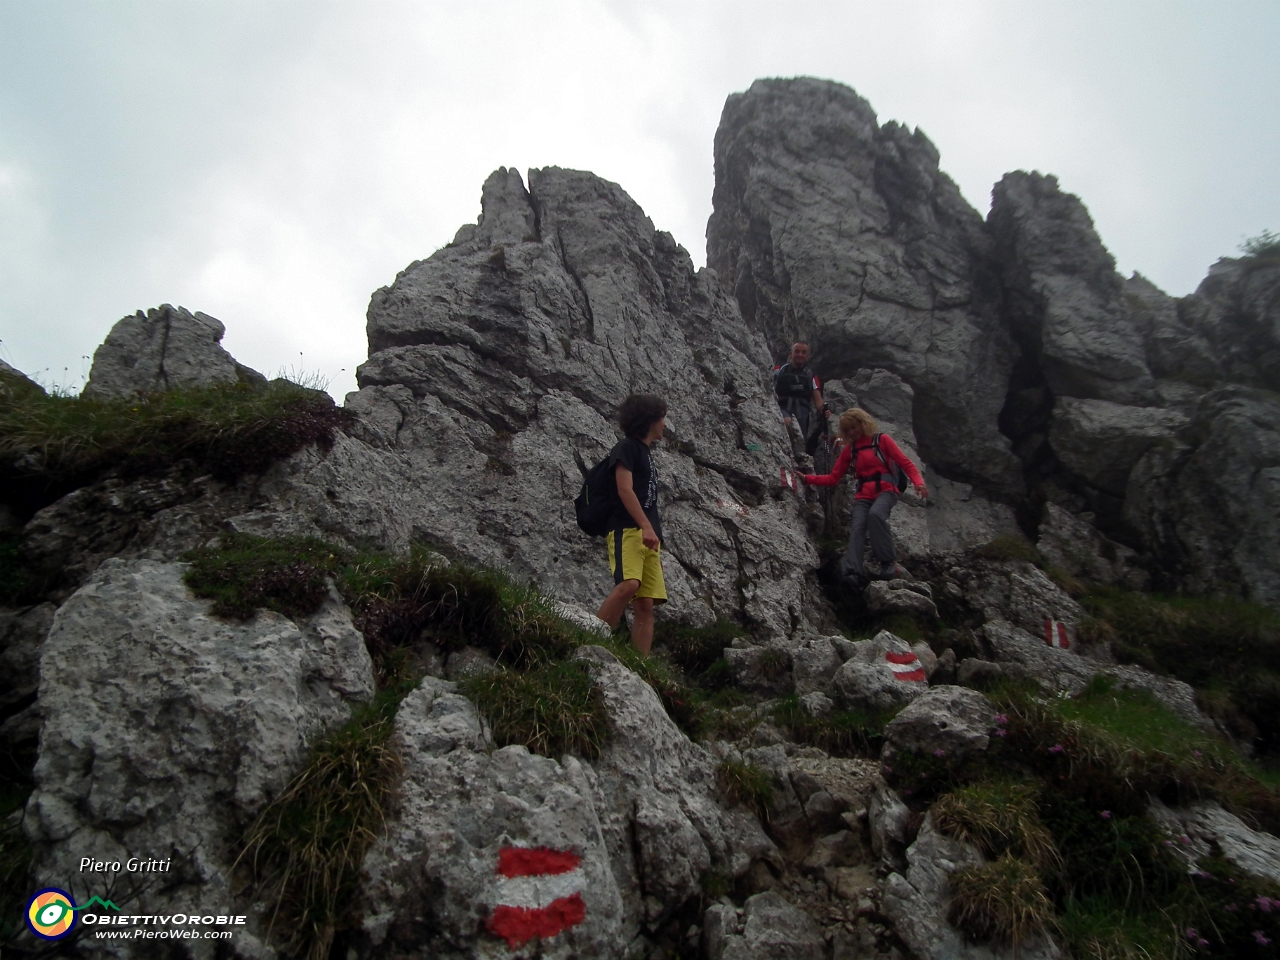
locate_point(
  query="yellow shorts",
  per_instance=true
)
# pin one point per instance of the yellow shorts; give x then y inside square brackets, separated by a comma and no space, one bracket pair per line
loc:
[632,560]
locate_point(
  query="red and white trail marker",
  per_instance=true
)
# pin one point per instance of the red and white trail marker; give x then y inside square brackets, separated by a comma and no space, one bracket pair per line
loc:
[1055,634]
[790,479]
[905,666]
[538,893]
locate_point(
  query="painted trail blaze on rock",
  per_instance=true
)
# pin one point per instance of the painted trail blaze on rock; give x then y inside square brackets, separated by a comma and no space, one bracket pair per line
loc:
[905,666]
[1055,634]
[539,894]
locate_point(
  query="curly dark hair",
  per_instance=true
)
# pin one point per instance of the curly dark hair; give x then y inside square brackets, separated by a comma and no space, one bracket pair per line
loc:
[639,412]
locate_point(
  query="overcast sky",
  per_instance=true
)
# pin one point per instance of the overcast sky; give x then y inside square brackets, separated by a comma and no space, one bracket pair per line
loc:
[273,163]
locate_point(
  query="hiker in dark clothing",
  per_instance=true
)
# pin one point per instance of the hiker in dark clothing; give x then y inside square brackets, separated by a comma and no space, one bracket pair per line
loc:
[799,393]
[634,540]
[874,457]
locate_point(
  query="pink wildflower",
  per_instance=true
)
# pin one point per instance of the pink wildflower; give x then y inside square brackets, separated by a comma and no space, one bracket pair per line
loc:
[1002,733]
[1106,814]
[1261,938]
[939,752]
[1056,748]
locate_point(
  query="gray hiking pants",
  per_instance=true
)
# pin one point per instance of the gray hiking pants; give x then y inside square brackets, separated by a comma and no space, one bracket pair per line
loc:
[870,516]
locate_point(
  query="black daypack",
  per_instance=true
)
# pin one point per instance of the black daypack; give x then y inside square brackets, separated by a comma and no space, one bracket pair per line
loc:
[594,502]
[893,473]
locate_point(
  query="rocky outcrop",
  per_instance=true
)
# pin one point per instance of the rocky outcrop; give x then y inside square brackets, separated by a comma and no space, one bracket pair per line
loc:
[831,228]
[641,823]
[164,349]
[495,368]
[1208,510]
[166,730]
[1149,412]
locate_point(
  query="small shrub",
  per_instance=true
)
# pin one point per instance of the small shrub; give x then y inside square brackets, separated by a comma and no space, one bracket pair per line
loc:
[552,709]
[16,856]
[773,663]
[1010,547]
[304,851]
[1265,245]
[1102,929]
[1004,902]
[747,784]
[715,884]
[999,817]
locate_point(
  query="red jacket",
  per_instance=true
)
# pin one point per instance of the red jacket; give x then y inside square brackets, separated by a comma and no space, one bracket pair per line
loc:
[868,465]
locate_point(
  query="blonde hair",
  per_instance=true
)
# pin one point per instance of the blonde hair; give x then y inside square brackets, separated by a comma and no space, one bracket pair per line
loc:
[857,417]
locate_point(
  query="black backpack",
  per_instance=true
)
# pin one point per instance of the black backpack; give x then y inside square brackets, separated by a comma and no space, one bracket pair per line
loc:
[594,502]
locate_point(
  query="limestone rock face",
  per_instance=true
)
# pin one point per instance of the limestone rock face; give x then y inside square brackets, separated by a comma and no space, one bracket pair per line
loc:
[495,369]
[1101,441]
[1066,302]
[1209,511]
[881,673]
[164,349]
[166,730]
[770,928]
[833,229]
[1236,309]
[642,819]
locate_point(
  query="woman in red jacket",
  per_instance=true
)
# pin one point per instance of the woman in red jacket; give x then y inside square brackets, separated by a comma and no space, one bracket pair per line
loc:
[871,454]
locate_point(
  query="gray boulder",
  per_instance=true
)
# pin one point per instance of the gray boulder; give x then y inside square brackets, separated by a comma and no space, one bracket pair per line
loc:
[1066,672]
[164,349]
[1019,592]
[166,730]
[952,719]
[1101,441]
[881,673]
[814,664]
[1204,829]
[1236,310]
[900,596]
[770,928]
[432,880]
[831,228]
[1080,550]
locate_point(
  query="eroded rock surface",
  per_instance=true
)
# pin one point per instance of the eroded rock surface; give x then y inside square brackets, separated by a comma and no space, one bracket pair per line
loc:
[166,730]
[164,349]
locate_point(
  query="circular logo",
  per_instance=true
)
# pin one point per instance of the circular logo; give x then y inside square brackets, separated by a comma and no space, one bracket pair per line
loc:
[51,914]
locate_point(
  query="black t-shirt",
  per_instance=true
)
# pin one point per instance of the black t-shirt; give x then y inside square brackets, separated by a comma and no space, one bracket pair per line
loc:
[635,456]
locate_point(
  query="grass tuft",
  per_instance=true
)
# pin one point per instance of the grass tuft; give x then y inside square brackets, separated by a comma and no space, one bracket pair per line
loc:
[999,817]
[551,709]
[747,784]
[1004,902]
[305,849]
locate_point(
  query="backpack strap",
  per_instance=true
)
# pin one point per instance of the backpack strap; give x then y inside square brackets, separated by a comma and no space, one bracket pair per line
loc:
[883,479]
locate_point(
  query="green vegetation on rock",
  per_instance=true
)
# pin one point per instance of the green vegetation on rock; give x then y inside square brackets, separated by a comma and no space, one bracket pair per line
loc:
[51,444]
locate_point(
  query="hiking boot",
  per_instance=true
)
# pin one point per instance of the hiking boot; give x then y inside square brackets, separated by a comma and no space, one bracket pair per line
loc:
[853,582]
[888,571]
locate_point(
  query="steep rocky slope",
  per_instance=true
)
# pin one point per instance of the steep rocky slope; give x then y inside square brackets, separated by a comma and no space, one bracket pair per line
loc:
[1132,434]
